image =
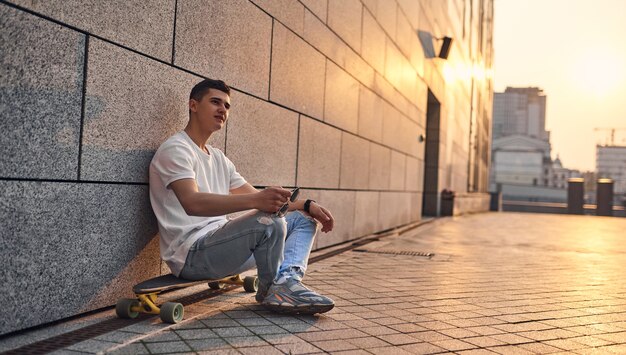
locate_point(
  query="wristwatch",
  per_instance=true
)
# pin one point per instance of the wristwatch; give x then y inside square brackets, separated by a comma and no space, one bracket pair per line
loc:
[307,205]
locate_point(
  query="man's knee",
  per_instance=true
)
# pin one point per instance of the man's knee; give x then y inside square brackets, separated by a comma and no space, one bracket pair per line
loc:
[305,221]
[278,225]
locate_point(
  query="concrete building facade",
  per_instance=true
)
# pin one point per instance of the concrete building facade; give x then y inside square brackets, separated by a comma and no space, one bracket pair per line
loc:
[335,96]
[520,111]
[520,159]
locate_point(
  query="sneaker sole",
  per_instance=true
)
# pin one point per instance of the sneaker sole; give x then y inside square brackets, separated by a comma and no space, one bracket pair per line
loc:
[308,309]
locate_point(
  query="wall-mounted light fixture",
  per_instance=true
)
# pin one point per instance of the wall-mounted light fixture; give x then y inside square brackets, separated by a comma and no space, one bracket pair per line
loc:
[445,47]
[427,39]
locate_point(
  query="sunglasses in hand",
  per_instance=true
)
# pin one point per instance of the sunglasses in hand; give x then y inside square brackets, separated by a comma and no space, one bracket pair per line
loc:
[294,196]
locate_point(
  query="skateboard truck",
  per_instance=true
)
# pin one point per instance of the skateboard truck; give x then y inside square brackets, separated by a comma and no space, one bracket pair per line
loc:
[171,312]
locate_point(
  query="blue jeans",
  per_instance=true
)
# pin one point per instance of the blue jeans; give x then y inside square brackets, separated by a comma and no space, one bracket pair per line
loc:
[277,246]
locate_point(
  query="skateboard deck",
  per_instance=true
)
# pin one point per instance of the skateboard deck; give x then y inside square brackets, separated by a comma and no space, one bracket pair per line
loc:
[164,283]
[171,312]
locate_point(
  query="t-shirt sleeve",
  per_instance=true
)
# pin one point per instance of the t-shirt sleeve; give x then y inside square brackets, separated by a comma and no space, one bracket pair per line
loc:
[174,162]
[236,180]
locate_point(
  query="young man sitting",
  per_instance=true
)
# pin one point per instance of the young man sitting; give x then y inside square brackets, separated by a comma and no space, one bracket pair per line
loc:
[193,186]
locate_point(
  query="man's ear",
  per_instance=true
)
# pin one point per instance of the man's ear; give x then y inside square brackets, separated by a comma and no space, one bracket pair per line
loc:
[193,105]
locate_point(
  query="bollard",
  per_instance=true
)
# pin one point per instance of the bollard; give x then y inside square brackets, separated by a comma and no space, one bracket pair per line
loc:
[604,192]
[447,203]
[495,201]
[575,195]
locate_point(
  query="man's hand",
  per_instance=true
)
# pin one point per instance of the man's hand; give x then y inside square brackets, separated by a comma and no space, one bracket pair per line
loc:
[271,199]
[322,215]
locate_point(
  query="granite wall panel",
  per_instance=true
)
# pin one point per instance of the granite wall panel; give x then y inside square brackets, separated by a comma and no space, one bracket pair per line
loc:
[146,26]
[401,133]
[290,13]
[323,39]
[355,154]
[262,141]
[298,73]
[411,9]
[344,17]
[414,174]
[374,40]
[380,165]
[357,67]
[404,34]
[370,115]
[341,100]
[416,207]
[341,205]
[386,14]
[400,72]
[319,152]
[132,105]
[234,45]
[397,171]
[71,248]
[41,65]
[392,125]
[366,213]
[394,209]
[318,7]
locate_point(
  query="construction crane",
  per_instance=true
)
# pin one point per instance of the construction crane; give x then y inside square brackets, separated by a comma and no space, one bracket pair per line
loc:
[612,130]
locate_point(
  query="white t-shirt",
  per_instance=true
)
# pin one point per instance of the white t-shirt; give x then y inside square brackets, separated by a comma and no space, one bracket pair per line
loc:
[180,158]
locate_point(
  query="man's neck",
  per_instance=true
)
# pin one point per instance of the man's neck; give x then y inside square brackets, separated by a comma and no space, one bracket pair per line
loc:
[198,138]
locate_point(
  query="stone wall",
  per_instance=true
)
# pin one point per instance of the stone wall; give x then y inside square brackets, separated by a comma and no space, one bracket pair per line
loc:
[330,95]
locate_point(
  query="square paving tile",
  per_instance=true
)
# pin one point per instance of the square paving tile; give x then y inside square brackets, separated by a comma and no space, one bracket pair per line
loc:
[167,347]
[422,348]
[246,341]
[335,345]
[429,336]
[398,339]
[264,350]
[591,341]
[267,329]
[232,332]
[368,342]
[298,348]
[208,344]
[565,344]
[484,341]
[453,345]
[511,339]
[190,334]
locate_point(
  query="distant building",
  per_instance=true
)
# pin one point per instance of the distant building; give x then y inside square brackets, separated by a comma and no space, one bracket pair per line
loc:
[558,175]
[520,111]
[521,151]
[520,160]
[611,163]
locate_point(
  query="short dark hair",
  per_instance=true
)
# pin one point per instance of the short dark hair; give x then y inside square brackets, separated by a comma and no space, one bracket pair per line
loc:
[201,88]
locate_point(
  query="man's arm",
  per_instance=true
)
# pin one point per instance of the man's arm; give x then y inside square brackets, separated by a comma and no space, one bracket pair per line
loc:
[244,189]
[315,210]
[198,203]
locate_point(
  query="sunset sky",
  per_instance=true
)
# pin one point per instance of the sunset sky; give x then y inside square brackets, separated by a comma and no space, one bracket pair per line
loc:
[575,50]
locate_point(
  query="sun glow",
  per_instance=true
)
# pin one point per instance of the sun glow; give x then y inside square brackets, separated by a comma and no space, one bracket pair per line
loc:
[599,74]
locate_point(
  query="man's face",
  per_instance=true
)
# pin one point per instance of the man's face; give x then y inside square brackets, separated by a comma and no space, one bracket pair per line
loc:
[212,110]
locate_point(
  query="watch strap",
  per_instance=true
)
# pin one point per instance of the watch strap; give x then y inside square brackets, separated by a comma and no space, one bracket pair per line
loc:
[307,205]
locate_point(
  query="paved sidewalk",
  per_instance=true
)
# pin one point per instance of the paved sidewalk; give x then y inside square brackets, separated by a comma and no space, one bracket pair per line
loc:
[488,283]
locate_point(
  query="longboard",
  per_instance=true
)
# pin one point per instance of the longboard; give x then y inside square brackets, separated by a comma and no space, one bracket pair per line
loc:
[171,312]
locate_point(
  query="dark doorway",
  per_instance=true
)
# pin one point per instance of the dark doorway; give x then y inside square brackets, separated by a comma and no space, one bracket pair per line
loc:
[430,200]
